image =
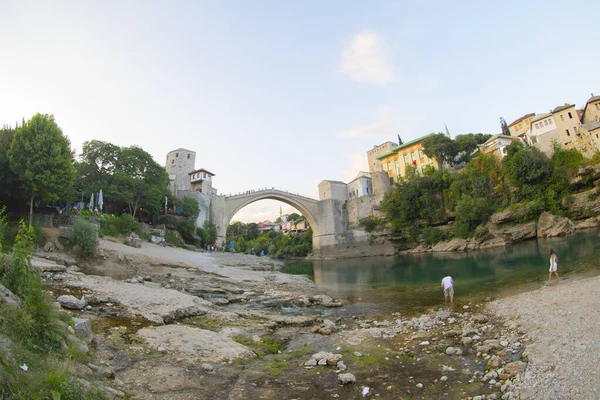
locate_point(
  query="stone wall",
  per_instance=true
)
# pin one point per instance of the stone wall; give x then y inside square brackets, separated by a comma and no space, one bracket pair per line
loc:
[358,208]
[352,243]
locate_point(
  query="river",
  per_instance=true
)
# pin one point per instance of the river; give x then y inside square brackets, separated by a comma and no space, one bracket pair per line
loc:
[411,283]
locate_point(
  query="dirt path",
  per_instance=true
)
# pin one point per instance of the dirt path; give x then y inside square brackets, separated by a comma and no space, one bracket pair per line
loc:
[563,323]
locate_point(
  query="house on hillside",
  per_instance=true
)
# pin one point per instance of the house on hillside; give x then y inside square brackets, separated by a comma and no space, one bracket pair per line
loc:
[409,154]
[496,145]
[520,126]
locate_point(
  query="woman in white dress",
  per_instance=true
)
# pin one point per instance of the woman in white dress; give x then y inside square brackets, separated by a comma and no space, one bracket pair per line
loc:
[553,266]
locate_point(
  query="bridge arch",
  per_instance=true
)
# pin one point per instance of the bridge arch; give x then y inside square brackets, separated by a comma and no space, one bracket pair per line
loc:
[307,206]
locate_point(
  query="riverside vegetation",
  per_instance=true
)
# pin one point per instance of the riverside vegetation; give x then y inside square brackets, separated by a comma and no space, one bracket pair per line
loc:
[446,204]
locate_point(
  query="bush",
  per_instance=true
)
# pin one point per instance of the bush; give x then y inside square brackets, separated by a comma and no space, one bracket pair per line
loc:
[187,230]
[126,224]
[470,212]
[481,231]
[370,224]
[174,239]
[85,236]
[432,235]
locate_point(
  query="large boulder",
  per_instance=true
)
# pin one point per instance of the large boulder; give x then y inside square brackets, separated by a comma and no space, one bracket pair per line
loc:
[584,205]
[507,215]
[550,225]
[65,232]
[72,302]
[515,233]
[456,244]
[194,344]
[7,297]
[593,222]
[83,328]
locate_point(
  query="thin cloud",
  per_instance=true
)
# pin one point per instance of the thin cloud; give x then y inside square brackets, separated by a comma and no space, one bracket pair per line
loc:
[358,162]
[364,59]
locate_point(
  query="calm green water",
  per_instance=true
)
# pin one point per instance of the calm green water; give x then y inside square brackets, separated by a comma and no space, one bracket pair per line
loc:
[412,283]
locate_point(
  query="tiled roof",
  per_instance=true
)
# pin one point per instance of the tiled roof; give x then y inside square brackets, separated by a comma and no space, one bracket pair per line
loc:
[202,170]
[540,116]
[397,148]
[522,118]
[593,125]
[563,107]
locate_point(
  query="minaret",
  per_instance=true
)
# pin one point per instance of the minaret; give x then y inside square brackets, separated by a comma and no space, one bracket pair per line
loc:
[447,132]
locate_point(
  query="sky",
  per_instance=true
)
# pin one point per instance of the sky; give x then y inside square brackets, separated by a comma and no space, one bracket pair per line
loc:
[286,94]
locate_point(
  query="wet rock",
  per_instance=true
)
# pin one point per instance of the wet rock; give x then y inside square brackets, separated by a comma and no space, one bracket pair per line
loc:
[325,357]
[480,318]
[311,363]
[443,315]
[358,354]
[494,362]
[7,297]
[450,351]
[424,343]
[72,302]
[102,370]
[346,378]
[467,341]
[456,244]
[118,383]
[207,367]
[327,327]
[46,266]
[514,368]
[65,232]
[49,247]
[341,366]
[325,300]
[193,343]
[83,328]
[593,222]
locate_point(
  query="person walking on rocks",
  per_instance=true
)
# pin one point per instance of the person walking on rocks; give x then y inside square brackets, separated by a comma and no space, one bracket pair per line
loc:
[448,286]
[553,266]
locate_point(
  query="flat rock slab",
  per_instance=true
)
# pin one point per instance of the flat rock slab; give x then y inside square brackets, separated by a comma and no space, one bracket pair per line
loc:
[194,344]
[46,265]
[154,304]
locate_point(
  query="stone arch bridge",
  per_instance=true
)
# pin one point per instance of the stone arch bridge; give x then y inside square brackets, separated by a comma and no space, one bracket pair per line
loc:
[326,217]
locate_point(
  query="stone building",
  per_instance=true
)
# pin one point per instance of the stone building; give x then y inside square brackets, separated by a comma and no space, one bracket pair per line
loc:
[409,154]
[520,126]
[375,164]
[180,162]
[496,145]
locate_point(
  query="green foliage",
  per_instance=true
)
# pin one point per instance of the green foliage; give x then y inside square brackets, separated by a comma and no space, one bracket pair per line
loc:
[187,230]
[262,347]
[207,235]
[85,237]
[432,235]
[527,169]
[570,159]
[370,224]
[441,148]
[41,157]
[125,224]
[189,207]
[504,127]
[173,239]
[481,231]
[595,158]
[11,193]
[470,212]
[35,324]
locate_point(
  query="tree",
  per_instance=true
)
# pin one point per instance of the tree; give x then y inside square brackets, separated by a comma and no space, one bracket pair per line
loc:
[140,181]
[42,158]
[467,144]
[9,181]
[504,127]
[441,148]
[527,169]
[293,217]
[189,207]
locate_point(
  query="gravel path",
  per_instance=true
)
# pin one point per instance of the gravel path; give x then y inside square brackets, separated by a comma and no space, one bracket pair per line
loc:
[563,322]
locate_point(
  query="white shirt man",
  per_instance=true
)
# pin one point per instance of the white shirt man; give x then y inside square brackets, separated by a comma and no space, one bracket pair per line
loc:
[448,286]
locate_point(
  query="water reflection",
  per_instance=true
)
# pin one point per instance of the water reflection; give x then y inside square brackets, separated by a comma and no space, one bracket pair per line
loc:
[413,281]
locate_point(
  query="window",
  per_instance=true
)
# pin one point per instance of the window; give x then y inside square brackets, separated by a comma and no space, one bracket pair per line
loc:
[423,168]
[546,122]
[413,156]
[520,126]
[391,180]
[569,114]
[550,121]
[189,156]
[575,129]
[421,154]
[562,117]
[568,134]
[597,106]
[389,166]
[397,163]
[406,159]
[597,134]
[176,154]
[172,161]
[536,126]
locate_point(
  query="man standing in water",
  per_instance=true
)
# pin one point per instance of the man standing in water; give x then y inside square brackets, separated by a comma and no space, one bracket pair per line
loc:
[448,286]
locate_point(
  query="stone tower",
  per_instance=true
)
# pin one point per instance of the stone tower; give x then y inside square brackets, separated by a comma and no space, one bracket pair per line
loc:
[180,162]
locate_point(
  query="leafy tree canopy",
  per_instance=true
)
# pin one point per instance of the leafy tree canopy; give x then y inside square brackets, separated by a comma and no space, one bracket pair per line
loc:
[440,147]
[41,156]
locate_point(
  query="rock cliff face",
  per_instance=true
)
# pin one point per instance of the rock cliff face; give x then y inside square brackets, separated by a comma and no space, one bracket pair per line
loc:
[549,225]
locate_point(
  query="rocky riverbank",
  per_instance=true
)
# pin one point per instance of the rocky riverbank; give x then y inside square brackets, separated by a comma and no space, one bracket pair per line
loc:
[172,324]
